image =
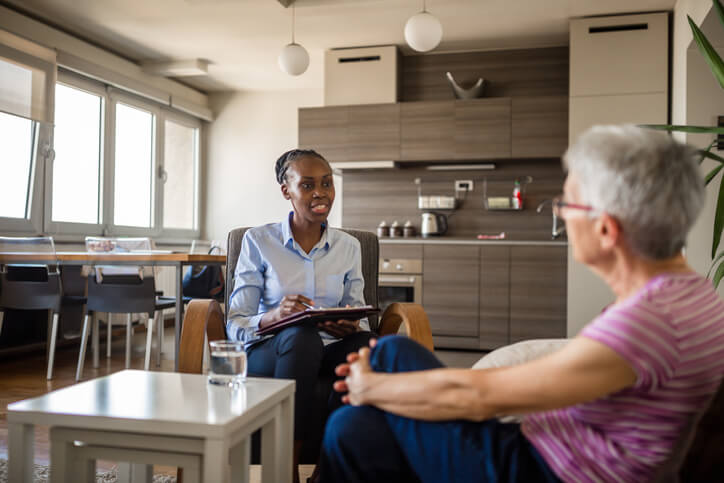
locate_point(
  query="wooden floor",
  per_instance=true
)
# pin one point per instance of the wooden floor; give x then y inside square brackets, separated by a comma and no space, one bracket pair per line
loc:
[24,377]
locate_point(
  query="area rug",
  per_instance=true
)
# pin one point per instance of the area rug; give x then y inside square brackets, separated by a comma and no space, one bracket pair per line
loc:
[41,474]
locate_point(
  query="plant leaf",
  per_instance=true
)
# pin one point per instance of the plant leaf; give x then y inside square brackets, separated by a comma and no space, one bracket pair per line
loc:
[714,262]
[710,155]
[710,55]
[712,173]
[719,11]
[718,275]
[689,129]
[718,219]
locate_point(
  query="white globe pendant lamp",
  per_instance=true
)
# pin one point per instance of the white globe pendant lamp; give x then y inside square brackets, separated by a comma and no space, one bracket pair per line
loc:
[293,59]
[423,31]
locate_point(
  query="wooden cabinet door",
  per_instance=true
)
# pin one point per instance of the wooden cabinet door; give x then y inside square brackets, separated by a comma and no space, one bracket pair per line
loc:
[426,131]
[538,279]
[482,129]
[324,129]
[450,289]
[373,132]
[494,296]
[540,127]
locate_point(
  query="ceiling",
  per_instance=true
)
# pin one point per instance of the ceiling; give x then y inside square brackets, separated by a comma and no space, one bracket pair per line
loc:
[242,38]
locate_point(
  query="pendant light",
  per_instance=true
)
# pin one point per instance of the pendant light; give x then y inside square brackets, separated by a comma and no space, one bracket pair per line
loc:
[423,31]
[293,58]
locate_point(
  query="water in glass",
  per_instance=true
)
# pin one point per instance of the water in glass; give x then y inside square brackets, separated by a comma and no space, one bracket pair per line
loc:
[228,363]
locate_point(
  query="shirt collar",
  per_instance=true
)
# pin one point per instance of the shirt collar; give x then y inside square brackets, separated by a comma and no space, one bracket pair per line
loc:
[289,236]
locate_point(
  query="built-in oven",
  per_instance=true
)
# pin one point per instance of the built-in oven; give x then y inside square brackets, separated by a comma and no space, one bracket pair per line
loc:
[400,280]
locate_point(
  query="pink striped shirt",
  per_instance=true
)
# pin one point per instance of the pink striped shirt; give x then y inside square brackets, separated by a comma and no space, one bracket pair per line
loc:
[672,334]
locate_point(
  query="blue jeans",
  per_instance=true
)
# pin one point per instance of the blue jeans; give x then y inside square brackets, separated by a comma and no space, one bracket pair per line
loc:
[365,444]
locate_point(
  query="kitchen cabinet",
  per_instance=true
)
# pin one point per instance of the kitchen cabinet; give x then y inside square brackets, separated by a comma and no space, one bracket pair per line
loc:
[373,132]
[450,294]
[494,314]
[440,131]
[324,129]
[490,295]
[352,133]
[537,292]
[482,129]
[427,130]
[539,126]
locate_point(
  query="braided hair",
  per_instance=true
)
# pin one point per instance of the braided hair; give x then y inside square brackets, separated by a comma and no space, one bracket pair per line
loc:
[282,164]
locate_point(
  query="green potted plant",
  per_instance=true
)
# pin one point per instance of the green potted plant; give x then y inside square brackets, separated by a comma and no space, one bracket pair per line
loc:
[716,270]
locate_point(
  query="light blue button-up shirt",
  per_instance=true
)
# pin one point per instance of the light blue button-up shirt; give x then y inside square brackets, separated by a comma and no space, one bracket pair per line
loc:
[272,264]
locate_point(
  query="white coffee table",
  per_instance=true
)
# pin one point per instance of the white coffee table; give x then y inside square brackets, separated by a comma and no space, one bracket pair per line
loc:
[157,417]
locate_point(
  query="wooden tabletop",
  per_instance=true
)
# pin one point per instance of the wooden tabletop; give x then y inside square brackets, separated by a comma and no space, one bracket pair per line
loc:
[151,256]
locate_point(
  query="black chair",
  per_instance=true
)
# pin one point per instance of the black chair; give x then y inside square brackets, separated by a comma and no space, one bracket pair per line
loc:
[34,286]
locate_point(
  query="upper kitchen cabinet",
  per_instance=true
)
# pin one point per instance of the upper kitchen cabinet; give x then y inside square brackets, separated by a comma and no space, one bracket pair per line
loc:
[482,129]
[373,132]
[324,129]
[604,48]
[427,130]
[540,126]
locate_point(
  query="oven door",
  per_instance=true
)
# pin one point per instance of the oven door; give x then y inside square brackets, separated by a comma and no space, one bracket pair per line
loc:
[399,288]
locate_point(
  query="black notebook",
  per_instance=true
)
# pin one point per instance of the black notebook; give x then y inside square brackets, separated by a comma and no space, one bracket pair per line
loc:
[314,316]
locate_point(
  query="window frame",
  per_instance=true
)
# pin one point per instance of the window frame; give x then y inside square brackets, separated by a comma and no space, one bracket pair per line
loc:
[74,228]
[191,122]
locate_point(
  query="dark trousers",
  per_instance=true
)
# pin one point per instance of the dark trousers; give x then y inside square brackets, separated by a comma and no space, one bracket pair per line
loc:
[365,444]
[298,353]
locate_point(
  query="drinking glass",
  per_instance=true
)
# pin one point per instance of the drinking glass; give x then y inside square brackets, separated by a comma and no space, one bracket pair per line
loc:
[228,362]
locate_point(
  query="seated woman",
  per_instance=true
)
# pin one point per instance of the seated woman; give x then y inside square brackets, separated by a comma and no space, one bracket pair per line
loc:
[286,267]
[608,406]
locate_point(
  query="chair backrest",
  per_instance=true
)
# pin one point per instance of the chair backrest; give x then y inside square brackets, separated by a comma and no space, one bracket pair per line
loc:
[121,294]
[204,247]
[30,286]
[95,244]
[370,253]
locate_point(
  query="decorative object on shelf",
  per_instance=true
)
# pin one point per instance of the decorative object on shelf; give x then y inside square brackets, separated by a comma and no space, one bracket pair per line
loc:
[423,31]
[513,203]
[473,92]
[408,230]
[383,230]
[293,58]
[395,230]
[499,236]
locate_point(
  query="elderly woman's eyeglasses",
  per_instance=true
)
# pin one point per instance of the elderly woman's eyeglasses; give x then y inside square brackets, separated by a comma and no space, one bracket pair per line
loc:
[559,205]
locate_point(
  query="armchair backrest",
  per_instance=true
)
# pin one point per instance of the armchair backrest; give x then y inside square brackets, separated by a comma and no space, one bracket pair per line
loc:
[370,252]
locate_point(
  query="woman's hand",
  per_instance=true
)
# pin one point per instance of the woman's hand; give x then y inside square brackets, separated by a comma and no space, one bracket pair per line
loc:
[339,328]
[290,304]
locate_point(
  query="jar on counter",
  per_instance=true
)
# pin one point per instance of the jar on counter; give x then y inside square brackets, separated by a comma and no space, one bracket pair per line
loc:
[408,231]
[395,229]
[383,230]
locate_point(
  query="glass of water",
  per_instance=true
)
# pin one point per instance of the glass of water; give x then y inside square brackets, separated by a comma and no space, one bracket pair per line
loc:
[228,362]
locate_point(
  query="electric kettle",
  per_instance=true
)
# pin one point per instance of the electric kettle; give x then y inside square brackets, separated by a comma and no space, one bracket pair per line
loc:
[433,224]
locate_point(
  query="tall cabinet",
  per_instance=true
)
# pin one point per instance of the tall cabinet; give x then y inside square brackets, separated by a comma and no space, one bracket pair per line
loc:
[619,73]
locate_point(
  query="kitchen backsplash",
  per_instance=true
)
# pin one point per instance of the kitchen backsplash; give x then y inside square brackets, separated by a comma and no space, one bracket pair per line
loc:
[391,195]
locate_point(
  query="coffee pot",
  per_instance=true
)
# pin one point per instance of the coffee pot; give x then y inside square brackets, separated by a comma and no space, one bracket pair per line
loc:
[433,224]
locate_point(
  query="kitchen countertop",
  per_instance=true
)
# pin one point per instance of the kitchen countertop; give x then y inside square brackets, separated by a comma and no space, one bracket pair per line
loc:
[451,240]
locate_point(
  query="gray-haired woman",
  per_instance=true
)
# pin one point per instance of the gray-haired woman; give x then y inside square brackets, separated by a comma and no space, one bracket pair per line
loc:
[611,404]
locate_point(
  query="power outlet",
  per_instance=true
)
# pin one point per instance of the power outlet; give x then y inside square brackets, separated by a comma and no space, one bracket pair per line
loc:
[463,185]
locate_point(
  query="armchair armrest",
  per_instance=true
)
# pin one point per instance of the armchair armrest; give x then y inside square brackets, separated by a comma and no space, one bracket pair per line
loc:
[203,316]
[414,319]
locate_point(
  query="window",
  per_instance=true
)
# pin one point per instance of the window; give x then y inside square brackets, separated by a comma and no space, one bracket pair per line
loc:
[76,189]
[17,148]
[179,190]
[134,159]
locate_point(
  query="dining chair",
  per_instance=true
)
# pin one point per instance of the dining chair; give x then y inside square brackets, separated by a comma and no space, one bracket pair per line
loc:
[35,286]
[129,290]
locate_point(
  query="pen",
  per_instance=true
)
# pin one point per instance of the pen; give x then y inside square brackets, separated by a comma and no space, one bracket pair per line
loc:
[307,305]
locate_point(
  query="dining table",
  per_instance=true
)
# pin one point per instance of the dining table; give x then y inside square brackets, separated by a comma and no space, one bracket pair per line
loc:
[163,258]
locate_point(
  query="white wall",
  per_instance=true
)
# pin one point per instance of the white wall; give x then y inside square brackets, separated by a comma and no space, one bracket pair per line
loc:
[250,131]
